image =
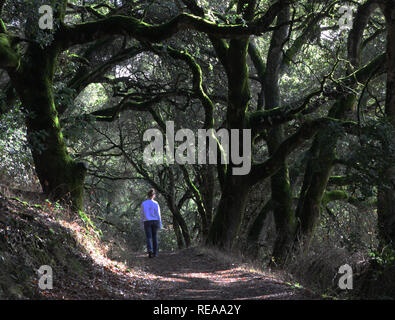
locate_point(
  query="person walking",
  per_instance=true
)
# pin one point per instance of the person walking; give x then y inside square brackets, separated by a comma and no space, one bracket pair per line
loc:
[151,222]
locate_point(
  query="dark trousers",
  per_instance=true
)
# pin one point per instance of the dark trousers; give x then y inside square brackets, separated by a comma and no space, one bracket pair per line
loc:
[151,228]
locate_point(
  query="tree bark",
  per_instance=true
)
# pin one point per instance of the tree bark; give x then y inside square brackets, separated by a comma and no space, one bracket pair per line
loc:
[280,186]
[60,176]
[226,223]
[255,229]
[323,150]
[320,163]
[177,232]
[225,227]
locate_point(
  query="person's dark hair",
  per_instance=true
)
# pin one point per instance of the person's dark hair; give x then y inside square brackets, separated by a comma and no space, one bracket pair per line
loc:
[151,193]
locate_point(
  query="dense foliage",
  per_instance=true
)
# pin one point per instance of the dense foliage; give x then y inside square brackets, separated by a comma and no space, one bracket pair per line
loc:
[319,100]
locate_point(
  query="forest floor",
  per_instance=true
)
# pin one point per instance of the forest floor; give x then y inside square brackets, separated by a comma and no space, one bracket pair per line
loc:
[185,274]
[36,235]
[196,273]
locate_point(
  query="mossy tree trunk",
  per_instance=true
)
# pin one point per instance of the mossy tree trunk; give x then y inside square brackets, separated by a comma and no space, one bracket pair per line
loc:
[177,232]
[255,229]
[227,220]
[322,153]
[31,76]
[281,195]
[226,224]
[60,176]
[180,221]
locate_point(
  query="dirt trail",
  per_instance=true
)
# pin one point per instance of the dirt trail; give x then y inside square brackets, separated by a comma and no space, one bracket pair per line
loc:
[31,236]
[190,274]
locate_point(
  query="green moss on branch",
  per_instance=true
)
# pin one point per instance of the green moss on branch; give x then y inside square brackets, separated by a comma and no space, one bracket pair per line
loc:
[9,59]
[334,195]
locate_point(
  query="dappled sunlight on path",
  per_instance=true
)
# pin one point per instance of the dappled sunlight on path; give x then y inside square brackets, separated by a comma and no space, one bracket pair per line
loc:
[82,269]
[189,274]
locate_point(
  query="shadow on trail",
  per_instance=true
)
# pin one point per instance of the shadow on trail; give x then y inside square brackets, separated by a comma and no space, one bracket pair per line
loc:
[188,274]
[31,236]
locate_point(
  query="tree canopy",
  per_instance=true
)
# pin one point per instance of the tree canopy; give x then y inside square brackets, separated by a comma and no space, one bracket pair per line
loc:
[312,81]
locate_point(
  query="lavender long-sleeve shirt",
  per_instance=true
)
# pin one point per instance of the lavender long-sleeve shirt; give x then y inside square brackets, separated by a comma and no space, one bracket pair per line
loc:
[150,210]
